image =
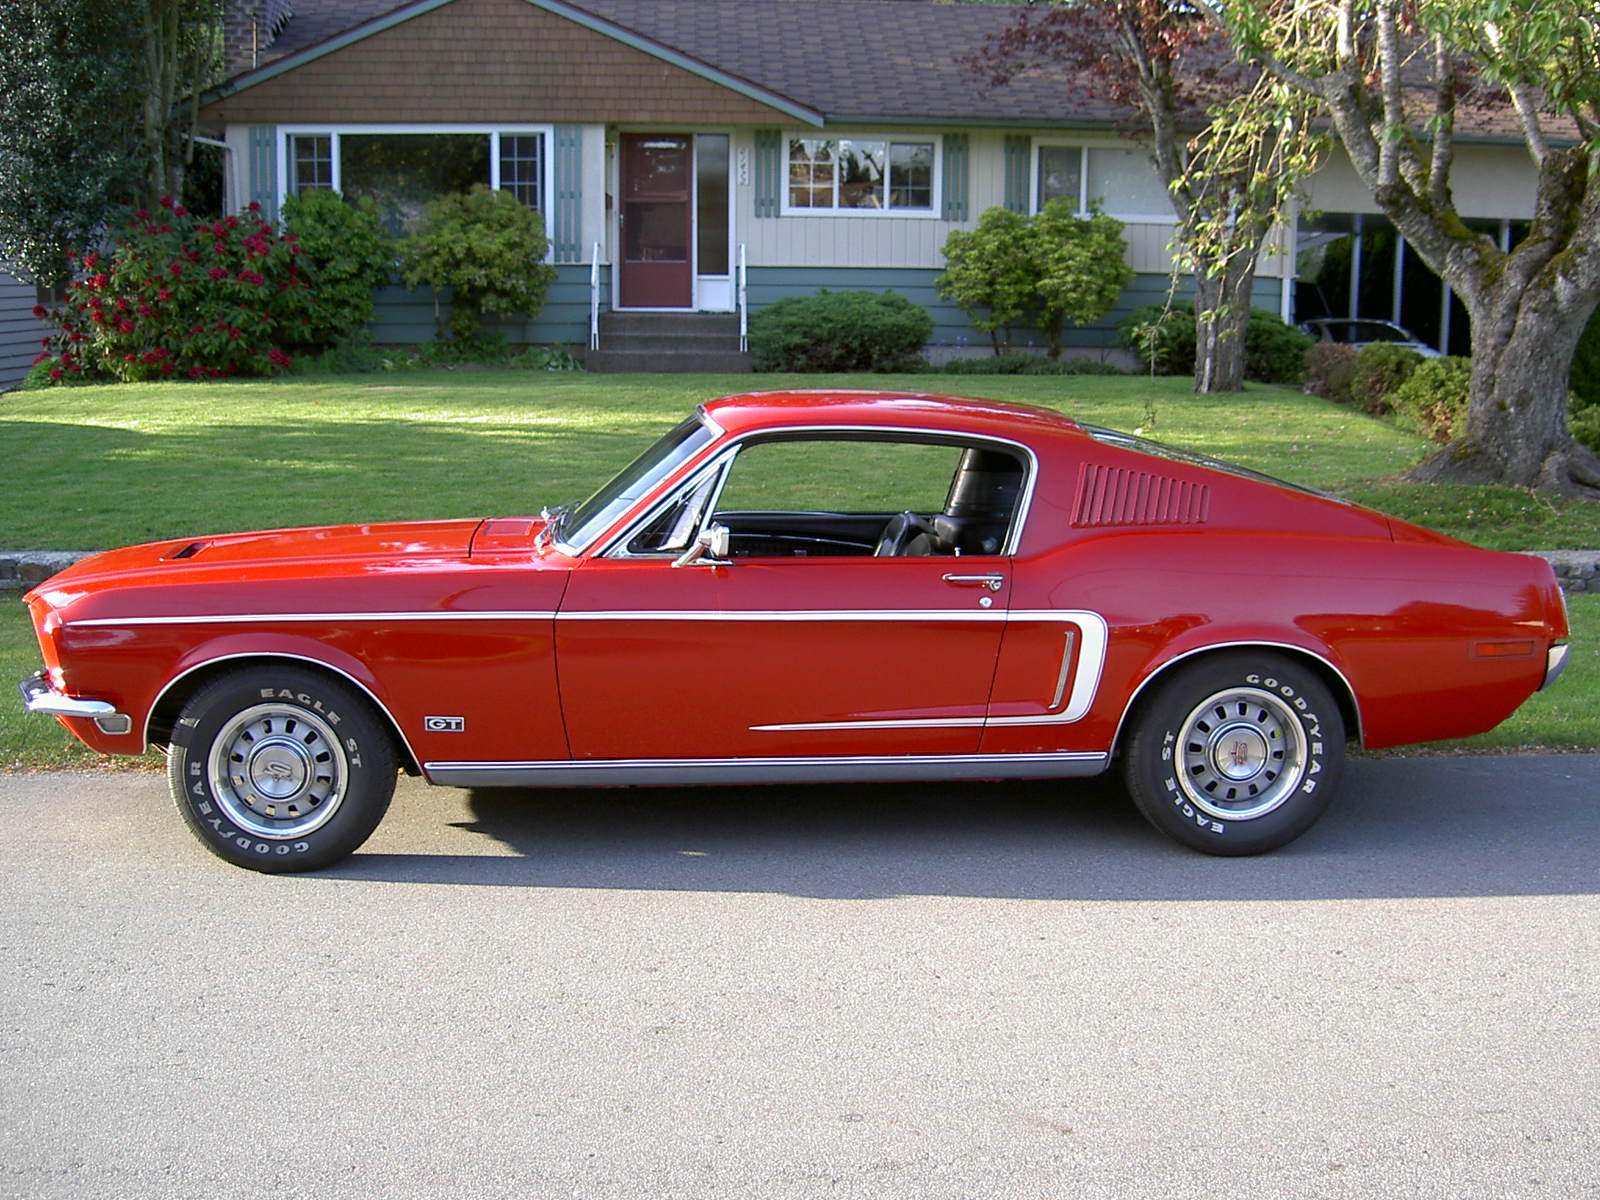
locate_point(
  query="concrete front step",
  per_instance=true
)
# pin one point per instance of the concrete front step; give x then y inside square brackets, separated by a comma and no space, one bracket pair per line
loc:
[672,342]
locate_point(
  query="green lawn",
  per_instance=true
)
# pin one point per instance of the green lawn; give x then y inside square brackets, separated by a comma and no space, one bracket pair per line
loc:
[90,468]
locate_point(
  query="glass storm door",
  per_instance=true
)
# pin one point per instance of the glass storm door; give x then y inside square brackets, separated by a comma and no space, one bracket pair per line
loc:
[657,231]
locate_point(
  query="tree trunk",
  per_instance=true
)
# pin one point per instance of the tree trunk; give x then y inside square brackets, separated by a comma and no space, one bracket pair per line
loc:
[1522,348]
[1222,314]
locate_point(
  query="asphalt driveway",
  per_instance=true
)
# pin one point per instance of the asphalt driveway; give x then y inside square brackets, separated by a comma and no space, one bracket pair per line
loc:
[952,991]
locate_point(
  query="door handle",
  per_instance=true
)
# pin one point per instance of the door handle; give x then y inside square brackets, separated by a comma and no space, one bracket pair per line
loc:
[991,582]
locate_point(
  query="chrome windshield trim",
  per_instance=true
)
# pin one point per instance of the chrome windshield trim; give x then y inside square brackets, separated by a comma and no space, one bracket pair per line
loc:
[300,618]
[680,772]
[631,522]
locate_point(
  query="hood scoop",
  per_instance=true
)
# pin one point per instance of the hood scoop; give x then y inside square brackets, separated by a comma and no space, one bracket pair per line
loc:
[188,551]
[1115,496]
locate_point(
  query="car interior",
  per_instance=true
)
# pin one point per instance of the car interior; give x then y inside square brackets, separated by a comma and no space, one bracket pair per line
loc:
[828,499]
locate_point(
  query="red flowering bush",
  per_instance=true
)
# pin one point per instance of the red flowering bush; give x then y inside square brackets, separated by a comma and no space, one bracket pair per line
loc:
[180,297]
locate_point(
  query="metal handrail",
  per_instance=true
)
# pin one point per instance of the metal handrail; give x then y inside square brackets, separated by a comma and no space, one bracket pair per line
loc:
[744,307]
[594,298]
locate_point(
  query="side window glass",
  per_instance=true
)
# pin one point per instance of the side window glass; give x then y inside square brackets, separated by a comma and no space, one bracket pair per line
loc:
[672,529]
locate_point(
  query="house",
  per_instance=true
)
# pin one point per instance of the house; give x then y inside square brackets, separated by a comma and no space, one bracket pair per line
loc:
[691,155]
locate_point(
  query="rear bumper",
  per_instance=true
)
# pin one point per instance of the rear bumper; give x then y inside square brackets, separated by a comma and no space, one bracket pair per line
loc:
[1555,663]
[38,697]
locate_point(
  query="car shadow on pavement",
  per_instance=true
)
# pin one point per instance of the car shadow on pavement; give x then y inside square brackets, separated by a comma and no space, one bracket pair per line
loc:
[1400,828]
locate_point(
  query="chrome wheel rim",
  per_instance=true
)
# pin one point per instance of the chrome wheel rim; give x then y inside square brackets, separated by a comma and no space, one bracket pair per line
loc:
[278,771]
[1240,754]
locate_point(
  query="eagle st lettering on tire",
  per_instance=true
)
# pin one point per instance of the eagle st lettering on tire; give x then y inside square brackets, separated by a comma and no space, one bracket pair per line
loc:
[1236,753]
[278,768]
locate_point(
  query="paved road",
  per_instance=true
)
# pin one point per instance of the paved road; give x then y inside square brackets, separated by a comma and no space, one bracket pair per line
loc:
[973,991]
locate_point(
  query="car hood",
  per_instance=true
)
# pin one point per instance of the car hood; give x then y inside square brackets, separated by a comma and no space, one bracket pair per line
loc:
[277,552]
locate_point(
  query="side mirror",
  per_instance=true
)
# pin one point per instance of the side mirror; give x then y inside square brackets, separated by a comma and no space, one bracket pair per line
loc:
[710,548]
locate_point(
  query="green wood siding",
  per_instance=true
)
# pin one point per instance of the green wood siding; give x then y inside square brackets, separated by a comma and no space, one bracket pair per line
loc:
[20,331]
[408,316]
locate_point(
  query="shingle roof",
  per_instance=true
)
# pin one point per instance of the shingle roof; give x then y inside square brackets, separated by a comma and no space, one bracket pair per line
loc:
[882,60]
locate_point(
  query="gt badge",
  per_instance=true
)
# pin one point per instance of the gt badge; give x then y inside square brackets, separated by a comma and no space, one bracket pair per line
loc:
[444,724]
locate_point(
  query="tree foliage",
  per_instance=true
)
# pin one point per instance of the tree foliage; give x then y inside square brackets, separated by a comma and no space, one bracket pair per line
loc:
[1392,75]
[345,257]
[1229,174]
[488,248]
[1048,269]
[90,115]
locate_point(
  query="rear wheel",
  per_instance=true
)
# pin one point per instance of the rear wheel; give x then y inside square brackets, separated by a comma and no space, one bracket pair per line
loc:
[277,768]
[1237,753]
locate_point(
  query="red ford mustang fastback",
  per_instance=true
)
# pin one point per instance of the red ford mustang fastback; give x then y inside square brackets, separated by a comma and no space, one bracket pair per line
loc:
[815,586]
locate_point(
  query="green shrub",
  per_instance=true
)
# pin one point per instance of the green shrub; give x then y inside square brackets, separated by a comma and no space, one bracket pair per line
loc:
[1434,399]
[346,256]
[1330,370]
[1049,268]
[488,248]
[1585,426]
[840,331]
[1380,369]
[1273,351]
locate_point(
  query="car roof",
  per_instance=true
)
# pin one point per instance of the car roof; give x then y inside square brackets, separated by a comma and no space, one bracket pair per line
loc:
[754,411]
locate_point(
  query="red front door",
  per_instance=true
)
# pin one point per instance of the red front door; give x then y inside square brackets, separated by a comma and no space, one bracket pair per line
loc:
[657,269]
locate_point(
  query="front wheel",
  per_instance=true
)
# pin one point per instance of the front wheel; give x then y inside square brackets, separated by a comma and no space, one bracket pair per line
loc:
[279,769]
[1236,754]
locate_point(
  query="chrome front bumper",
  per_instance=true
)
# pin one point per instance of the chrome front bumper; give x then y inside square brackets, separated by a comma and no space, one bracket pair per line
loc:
[37,697]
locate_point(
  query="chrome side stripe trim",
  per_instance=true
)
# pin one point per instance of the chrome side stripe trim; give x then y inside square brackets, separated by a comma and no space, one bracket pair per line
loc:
[680,772]
[302,618]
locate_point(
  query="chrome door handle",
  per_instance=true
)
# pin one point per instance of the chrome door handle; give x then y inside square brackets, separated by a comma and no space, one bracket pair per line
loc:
[992,582]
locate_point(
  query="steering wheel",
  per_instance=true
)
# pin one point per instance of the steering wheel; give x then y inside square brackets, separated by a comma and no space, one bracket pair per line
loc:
[902,527]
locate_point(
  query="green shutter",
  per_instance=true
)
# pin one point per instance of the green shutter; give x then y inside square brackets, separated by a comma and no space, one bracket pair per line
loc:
[261,171]
[769,172]
[566,182]
[957,170]
[1018,150]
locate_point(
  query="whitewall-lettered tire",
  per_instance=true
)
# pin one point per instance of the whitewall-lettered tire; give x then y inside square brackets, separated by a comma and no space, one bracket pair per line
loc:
[1236,753]
[280,768]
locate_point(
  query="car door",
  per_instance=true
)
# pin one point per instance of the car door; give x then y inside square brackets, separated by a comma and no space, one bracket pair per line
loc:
[818,652]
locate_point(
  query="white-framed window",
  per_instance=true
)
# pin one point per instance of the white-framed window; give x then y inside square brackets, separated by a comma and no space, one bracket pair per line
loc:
[1119,180]
[402,167]
[895,175]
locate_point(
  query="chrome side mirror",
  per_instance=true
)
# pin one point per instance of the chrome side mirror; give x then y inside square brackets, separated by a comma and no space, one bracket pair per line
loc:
[710,548]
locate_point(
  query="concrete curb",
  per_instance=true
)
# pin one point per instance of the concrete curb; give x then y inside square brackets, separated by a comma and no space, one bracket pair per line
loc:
[1577,570]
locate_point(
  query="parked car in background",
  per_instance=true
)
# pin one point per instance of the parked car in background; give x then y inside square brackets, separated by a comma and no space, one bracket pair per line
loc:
[805,586]
[1364,331]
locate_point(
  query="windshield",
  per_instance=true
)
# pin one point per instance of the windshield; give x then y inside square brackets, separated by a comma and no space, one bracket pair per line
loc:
[582,525]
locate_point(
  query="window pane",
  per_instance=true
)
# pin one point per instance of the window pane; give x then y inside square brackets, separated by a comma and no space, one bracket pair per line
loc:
[311,162]
[403,171]
[810,173]
[911,175]
[1060,174]
[711,170]
[1124,182]
[521,167]
[839,476]
[861,174]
